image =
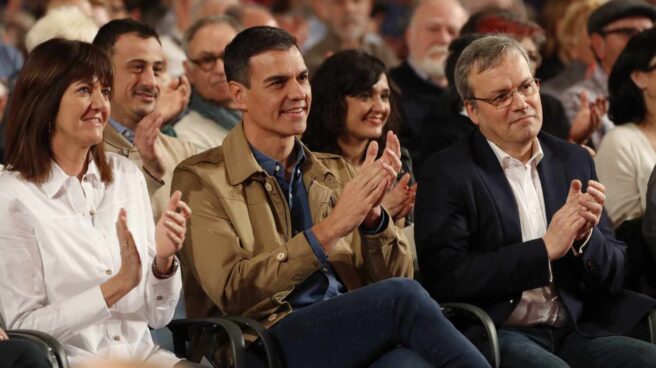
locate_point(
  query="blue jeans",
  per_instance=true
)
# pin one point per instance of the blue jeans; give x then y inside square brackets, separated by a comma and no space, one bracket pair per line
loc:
[546,347]
[392,323]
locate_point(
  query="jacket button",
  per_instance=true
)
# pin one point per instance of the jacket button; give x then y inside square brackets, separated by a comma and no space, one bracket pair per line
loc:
[268,187]
[281,256]
[272,317]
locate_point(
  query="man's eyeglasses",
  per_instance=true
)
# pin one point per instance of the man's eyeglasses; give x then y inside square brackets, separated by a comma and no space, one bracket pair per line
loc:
[206,62]
[624,31]
[503,100]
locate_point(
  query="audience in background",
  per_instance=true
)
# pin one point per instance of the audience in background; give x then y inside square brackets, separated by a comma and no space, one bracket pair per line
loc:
[251,15]
[574,51]
[133,129]
[627,154]
[352,105]
[511,220]
[421,78]
[212,112]
[347,22]
[610,27]
[67,22]
[82,259]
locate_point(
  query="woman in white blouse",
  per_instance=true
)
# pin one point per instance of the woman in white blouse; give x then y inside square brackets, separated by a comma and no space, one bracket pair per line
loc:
[627,154]
[81,258]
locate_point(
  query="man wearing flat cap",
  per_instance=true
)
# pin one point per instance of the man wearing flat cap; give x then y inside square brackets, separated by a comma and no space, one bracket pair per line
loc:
[610,27]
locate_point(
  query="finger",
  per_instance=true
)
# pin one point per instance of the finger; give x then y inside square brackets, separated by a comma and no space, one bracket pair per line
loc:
[589,217]
[592,206]
[172,226]
[185,210]
[574,189]
[392,142]
[413,188]
[3,335]
[596,195]
[177,218]
[402,184]
[174,200]
[175,239]
[378,192]
[122,227]
[597,185]
[583,98]
[372,151]
[392,159]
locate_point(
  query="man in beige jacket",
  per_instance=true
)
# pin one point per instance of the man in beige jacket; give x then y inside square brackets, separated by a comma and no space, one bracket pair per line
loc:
[299,240]
[133,132]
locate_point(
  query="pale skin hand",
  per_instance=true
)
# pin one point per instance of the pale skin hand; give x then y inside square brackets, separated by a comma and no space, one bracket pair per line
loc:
[588,119]
[169,237]
[170,232]
[592,204]
[3,335]
[145,138]
[129,275]
[565,225]
[173,98]
[400,200]
[359,199]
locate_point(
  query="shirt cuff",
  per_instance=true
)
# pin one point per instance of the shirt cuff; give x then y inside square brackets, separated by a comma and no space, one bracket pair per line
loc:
[165,290]
[581,248]
[379,229]
[316,246]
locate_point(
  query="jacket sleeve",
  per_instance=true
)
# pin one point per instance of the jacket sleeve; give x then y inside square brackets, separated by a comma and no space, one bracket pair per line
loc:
[387,254]
[456,238]
[237,280]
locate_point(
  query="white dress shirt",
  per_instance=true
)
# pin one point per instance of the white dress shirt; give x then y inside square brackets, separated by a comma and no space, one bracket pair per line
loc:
[541,305]
[59,244]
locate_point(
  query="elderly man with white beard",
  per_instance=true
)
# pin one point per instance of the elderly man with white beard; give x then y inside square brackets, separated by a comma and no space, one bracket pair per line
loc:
[433,25]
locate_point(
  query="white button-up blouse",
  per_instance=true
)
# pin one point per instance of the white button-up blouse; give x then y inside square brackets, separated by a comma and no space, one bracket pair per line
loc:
[58,244]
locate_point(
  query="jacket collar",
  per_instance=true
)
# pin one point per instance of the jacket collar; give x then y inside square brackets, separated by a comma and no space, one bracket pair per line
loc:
[242,165]
[114,139]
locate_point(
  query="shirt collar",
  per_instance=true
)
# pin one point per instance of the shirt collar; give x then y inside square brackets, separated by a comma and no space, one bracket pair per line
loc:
[58,178]
[420,73]
[122,130]
[505,159]
[269,165]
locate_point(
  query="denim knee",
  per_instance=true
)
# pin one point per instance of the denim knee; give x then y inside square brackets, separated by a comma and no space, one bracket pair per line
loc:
[408,290]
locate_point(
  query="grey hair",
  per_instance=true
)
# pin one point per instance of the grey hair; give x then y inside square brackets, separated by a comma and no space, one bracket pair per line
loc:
[204,22]
[484,54]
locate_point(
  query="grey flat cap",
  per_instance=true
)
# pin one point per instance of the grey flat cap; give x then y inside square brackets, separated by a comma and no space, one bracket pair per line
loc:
[618,9]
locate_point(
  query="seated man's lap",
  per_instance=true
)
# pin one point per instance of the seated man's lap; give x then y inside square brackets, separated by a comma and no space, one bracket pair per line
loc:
[544,347]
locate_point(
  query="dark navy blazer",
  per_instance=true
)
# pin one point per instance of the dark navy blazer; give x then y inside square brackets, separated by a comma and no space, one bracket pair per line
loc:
[470,244]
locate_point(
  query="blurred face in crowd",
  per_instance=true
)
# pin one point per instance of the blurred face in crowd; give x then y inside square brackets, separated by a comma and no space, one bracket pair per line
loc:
[117,9]
[138,70]
[609,45]
[82,116]
[348,18]
[433,26]
[532,52]
[204,66]
[278,99]
[367,113]
[512,127]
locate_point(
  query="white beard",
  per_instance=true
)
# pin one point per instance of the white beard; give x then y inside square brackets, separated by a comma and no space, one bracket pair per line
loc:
[434,61]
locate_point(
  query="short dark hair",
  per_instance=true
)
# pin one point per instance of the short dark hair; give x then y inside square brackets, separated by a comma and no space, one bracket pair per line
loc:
[48,71]
[113,30]
[346,73]
[251,42]
[626,99]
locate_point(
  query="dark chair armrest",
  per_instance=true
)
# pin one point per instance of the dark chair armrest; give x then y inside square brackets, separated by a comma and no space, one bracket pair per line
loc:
[488,324]
[180,330]
[273,359]
[50,343]
[651,321]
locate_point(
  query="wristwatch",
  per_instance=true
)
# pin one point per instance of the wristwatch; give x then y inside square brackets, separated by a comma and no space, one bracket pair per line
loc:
[163,276]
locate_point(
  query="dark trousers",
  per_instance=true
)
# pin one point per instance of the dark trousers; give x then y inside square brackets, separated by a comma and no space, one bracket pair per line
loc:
[392,323]
[546,347]
[22,354]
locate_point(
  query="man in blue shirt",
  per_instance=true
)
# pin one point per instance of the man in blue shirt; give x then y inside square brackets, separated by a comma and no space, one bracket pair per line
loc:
[299,240]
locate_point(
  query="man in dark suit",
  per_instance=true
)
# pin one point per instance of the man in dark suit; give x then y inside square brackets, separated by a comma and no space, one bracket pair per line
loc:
[421,78]
[512,221]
